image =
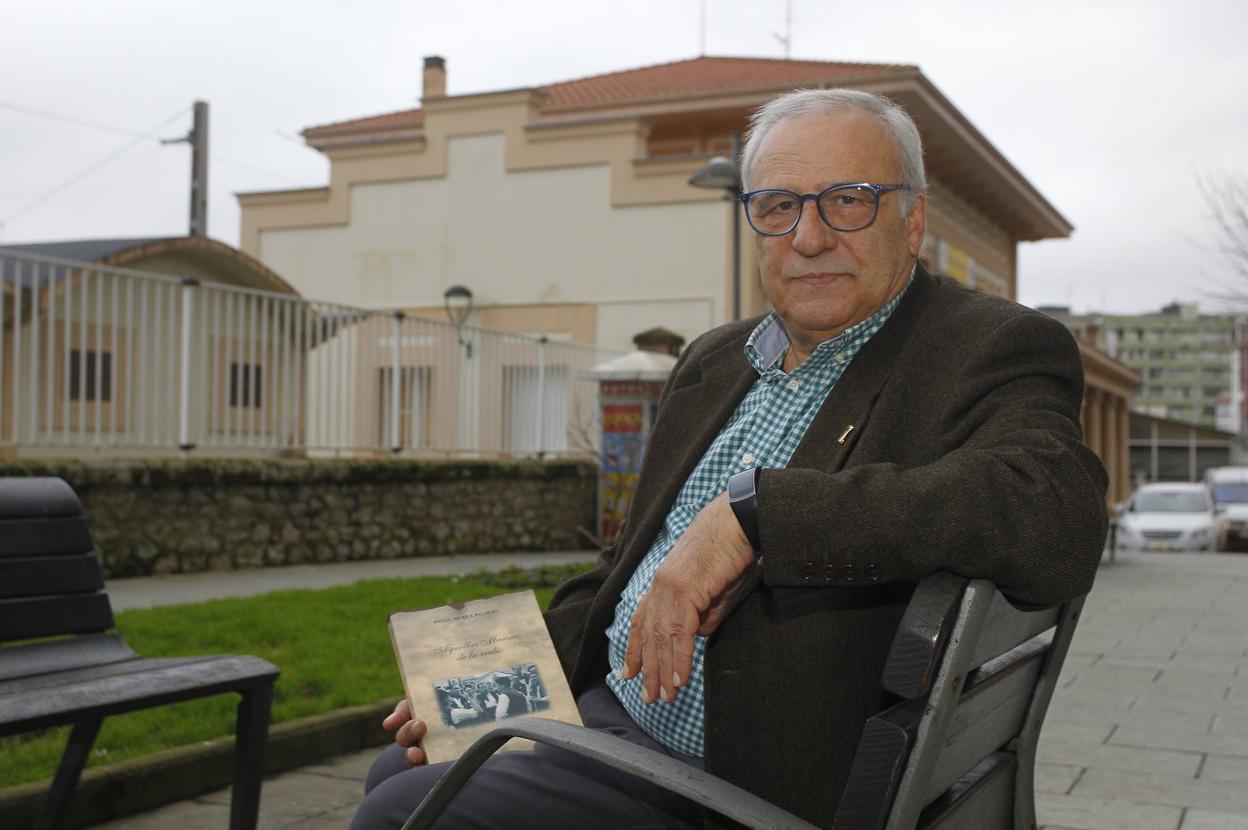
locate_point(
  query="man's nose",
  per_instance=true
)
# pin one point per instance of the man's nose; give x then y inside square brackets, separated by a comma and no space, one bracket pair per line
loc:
[812,236]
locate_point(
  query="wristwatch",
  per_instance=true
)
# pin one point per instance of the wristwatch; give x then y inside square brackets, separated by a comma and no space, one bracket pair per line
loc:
[743,499]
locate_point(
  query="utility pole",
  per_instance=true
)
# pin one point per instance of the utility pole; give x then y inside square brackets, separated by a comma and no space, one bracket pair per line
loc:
[198,139]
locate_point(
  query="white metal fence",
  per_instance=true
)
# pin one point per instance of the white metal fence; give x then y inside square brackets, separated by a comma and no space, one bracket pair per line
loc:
[117,360]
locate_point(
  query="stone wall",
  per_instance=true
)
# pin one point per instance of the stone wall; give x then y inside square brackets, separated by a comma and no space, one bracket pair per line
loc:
[152,517]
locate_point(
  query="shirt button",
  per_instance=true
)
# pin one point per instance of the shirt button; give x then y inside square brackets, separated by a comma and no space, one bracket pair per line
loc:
[840,357]
[747,459]
[794,384]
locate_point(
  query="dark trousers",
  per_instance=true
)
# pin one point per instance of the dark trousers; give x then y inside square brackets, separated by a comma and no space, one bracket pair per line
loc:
[543,788]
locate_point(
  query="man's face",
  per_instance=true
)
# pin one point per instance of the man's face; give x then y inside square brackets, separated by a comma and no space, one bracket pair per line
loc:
[822,281]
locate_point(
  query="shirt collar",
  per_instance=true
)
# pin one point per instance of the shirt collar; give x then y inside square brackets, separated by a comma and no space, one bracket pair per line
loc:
[766,345]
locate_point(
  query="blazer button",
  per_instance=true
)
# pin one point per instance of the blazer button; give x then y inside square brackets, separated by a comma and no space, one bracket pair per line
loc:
[872,572]
[806,570]
[829,572]
[848,573]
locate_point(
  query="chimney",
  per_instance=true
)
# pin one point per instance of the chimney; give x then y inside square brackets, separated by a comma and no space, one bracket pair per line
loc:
[434,81]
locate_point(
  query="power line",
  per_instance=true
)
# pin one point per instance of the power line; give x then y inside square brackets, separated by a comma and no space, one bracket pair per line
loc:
[67,119]
[139,137]
[82,174]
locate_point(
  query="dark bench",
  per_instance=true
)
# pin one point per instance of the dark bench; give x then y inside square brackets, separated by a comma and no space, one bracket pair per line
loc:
[59,665]
[974,675]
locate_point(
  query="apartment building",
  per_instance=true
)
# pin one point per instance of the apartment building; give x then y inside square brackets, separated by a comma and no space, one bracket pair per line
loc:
[1191,365]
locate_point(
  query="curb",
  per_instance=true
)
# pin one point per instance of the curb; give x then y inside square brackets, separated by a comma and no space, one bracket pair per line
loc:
[152,781]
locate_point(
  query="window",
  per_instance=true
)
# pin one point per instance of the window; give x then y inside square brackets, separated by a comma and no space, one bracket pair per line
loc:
[97,387]
[415,387]
[245,380]
[522,408]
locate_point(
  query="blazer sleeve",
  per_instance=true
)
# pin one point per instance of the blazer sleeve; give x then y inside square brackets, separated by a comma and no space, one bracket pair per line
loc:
[1013,495]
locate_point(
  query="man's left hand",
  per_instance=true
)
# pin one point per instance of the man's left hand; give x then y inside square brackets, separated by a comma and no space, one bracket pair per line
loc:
[691,590]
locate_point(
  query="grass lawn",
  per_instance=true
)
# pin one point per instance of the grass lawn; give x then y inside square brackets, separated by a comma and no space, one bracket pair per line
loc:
[332,646]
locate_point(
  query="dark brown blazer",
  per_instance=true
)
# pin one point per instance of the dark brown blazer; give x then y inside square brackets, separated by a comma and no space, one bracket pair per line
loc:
[965,455]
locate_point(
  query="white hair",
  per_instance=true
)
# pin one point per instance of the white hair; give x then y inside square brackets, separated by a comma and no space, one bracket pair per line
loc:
[803,103]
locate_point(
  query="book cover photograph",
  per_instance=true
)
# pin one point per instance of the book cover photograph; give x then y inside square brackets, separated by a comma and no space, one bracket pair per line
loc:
[467,665]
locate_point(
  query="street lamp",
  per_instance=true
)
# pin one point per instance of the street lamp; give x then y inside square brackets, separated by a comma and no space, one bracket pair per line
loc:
[458,302]
[723,173]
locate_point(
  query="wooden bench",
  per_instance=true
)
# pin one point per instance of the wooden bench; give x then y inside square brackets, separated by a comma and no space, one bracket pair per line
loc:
[974,674]
[59,665]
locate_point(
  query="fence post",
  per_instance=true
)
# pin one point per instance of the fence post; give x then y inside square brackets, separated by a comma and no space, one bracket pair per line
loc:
[189,284]
[541,396]
[395,386]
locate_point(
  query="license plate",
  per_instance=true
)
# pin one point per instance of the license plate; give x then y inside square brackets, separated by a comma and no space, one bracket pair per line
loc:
[1166,546]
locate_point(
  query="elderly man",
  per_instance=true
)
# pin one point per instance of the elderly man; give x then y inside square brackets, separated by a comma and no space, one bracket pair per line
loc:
[805,469]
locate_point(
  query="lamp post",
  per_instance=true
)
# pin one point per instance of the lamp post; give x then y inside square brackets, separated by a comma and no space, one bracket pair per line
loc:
[458,302]
[723,173]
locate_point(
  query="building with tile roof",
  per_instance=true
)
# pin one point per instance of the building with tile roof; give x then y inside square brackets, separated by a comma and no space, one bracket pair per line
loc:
[566,208]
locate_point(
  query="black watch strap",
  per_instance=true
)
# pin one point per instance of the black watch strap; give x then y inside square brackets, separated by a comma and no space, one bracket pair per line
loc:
[743,499]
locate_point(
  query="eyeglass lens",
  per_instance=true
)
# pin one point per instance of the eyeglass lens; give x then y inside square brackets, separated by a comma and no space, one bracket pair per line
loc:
[844,209]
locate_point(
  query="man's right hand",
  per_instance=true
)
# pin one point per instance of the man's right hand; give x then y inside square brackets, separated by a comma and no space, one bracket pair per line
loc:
[410,732]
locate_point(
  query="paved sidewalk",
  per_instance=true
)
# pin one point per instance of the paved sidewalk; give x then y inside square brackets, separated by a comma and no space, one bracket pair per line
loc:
[1148,730]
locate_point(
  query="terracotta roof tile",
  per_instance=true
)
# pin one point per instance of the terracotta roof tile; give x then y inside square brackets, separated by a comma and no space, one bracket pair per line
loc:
[700,76]
[696,76]
[403,118]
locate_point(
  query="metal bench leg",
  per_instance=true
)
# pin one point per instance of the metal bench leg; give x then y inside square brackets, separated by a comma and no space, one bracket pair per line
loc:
[250,734]
[73,759]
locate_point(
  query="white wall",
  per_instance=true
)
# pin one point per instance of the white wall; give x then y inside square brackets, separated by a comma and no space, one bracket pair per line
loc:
[546,236]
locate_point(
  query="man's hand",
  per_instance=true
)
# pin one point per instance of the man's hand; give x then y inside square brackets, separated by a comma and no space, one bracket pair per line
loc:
[408,733]
[689,594]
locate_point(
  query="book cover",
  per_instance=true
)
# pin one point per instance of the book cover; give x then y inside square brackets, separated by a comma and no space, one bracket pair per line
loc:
[467,665]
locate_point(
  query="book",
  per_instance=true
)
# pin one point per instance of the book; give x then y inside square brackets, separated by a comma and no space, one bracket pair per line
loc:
[467,665]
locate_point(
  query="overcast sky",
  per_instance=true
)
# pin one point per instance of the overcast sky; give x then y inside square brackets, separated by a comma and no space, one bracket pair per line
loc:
[1111,109]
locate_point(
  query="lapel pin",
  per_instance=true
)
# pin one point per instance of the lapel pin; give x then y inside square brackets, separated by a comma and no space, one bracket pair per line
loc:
[845,433]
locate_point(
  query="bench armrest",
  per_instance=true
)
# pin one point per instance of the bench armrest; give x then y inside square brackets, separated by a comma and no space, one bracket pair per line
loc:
[648,765]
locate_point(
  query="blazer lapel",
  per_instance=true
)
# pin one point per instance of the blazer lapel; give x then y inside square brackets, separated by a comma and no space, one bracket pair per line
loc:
[840,422]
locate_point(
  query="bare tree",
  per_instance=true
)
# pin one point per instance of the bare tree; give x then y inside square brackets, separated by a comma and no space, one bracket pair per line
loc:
[1227,200]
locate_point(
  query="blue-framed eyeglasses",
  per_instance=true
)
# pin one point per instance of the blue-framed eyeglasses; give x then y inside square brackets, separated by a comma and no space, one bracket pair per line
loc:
[842,207]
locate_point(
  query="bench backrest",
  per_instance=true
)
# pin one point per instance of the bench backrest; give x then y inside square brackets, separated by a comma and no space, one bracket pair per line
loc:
[50,582]
[975,675]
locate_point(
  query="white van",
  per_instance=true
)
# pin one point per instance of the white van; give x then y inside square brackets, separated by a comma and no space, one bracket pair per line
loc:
[1229,487]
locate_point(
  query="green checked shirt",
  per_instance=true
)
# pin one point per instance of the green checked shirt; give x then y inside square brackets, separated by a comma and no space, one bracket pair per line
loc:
[764,431]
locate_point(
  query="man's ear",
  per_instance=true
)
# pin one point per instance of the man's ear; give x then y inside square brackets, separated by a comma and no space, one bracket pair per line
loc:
[916,225]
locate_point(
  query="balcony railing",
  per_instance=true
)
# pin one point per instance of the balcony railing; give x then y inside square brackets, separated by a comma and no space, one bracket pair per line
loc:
[116,361]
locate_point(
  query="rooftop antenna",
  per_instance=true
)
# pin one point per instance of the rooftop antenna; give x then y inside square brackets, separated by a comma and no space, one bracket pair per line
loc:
[786,39]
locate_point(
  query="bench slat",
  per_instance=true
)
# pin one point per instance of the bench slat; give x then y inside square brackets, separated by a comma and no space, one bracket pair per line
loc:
[62,655]
[141,684]
[34,536]
[983,798]
[920,640]
[28,576]
[28,617]
[37,496]
[878,765]
[989,714]
[1007,626]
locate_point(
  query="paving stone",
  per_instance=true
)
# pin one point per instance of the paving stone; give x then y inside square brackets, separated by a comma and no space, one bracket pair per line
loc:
[1156,788]
[1074,733]
[293,796]
[1085,813]
[1223,768]
[1181,739]
[1056,778]
[333,820]
[1108,672]
[195,814]
[1192,721]
[1086,754]
[352,766]
[1206,820]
